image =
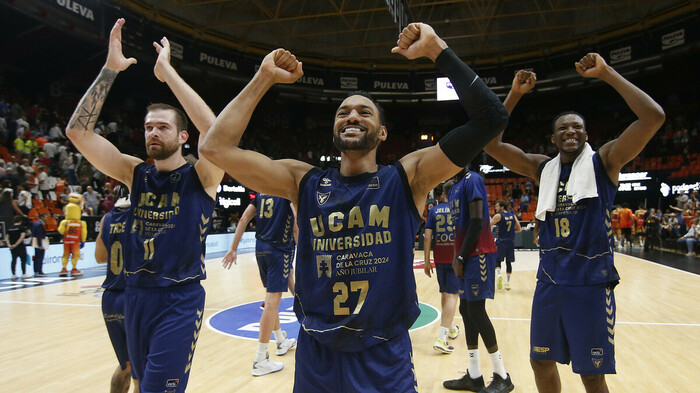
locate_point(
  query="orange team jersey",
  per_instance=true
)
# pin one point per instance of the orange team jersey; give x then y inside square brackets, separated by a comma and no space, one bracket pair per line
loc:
[73,232]
[616,219]
[639,214]
[626,220]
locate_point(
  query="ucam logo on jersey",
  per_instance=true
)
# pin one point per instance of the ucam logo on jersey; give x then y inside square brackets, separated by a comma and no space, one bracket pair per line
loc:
[243,321]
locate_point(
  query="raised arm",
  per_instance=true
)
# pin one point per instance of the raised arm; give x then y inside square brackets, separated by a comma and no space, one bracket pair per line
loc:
[510,155]
[220,145]
[232,255]
[96,149]
[495,219]
[427,167]
[100,248]
[198,111]
[650,116]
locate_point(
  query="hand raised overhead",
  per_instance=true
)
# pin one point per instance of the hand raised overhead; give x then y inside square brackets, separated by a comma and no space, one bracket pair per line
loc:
[163,61]
[282,66]
[418,40]
[591,66]
[115,58]
[523,81]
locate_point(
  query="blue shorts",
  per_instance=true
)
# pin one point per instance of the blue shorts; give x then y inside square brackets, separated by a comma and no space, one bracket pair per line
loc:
[382,368]
[448,282]
[162,326]
[506,250]
[274,264]
[113,314]
[479,278]
[574,324]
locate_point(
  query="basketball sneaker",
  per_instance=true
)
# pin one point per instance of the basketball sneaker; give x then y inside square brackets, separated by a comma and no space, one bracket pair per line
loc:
[266,366]
[499,385]
[25,276]
[14,277]
[465,383]
[40,275]
[76,272]
[453,333]
[441,345]
[286,345]
[500,282]
[507,286]
[63,273]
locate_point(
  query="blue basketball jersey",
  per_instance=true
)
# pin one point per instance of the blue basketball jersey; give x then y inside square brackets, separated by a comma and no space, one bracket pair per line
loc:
[116,237]
[576,240]
[275,220]
[171,218]
[470,188]
[506,227]
[354,282]
[440,221]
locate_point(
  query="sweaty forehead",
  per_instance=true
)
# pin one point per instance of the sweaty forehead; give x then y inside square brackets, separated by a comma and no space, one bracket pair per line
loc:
[569,119]
[358,101]
[160,116]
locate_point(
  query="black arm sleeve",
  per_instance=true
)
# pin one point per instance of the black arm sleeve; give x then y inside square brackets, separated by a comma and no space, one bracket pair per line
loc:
[487,115]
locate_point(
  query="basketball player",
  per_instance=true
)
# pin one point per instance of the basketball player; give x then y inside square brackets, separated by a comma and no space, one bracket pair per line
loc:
[172,205]
[615,219]
[274,251]
[640,230]
[627,220]
[507,225]
[474,266]
[439,226]
[110,247]
[573,310]
[355,288]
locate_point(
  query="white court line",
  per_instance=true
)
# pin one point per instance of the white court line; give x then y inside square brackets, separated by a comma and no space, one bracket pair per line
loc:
[219,309]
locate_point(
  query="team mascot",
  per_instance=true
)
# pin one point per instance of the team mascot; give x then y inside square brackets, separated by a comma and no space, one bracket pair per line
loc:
[74,231]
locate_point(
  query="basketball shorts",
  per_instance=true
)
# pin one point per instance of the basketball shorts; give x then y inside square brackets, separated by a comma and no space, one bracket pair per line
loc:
[448,282]
[479,278]
[274,264]
[506,250]
[382,368]
[113,314]
[162,326]
[574,324]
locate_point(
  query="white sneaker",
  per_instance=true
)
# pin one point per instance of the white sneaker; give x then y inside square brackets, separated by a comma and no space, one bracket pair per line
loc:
[285,345]
[25,276]
[14,277]
[266,366]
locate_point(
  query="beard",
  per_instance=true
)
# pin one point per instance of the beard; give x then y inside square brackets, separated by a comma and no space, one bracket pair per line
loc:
[163,152]
[368,141]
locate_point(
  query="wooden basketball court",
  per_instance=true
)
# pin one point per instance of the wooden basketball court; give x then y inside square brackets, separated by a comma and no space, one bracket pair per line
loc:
[54,338]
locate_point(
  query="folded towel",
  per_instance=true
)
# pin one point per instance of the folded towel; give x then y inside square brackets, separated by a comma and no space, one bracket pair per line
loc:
[581,183]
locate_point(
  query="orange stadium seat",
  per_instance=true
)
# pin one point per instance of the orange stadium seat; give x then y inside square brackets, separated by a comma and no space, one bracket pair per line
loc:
[51,224]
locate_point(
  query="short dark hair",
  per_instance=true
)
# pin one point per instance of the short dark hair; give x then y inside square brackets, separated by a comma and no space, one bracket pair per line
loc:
[180,117]
[503,204]
[17,219]
[554,122]
[380,110]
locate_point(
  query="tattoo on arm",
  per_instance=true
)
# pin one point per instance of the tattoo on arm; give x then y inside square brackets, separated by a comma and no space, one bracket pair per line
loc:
[88,110]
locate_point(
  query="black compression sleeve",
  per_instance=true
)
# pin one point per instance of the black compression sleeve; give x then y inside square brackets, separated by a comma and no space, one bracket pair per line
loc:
[487,115]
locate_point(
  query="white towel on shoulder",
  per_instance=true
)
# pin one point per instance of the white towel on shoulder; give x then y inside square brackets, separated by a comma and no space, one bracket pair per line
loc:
[581,183]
